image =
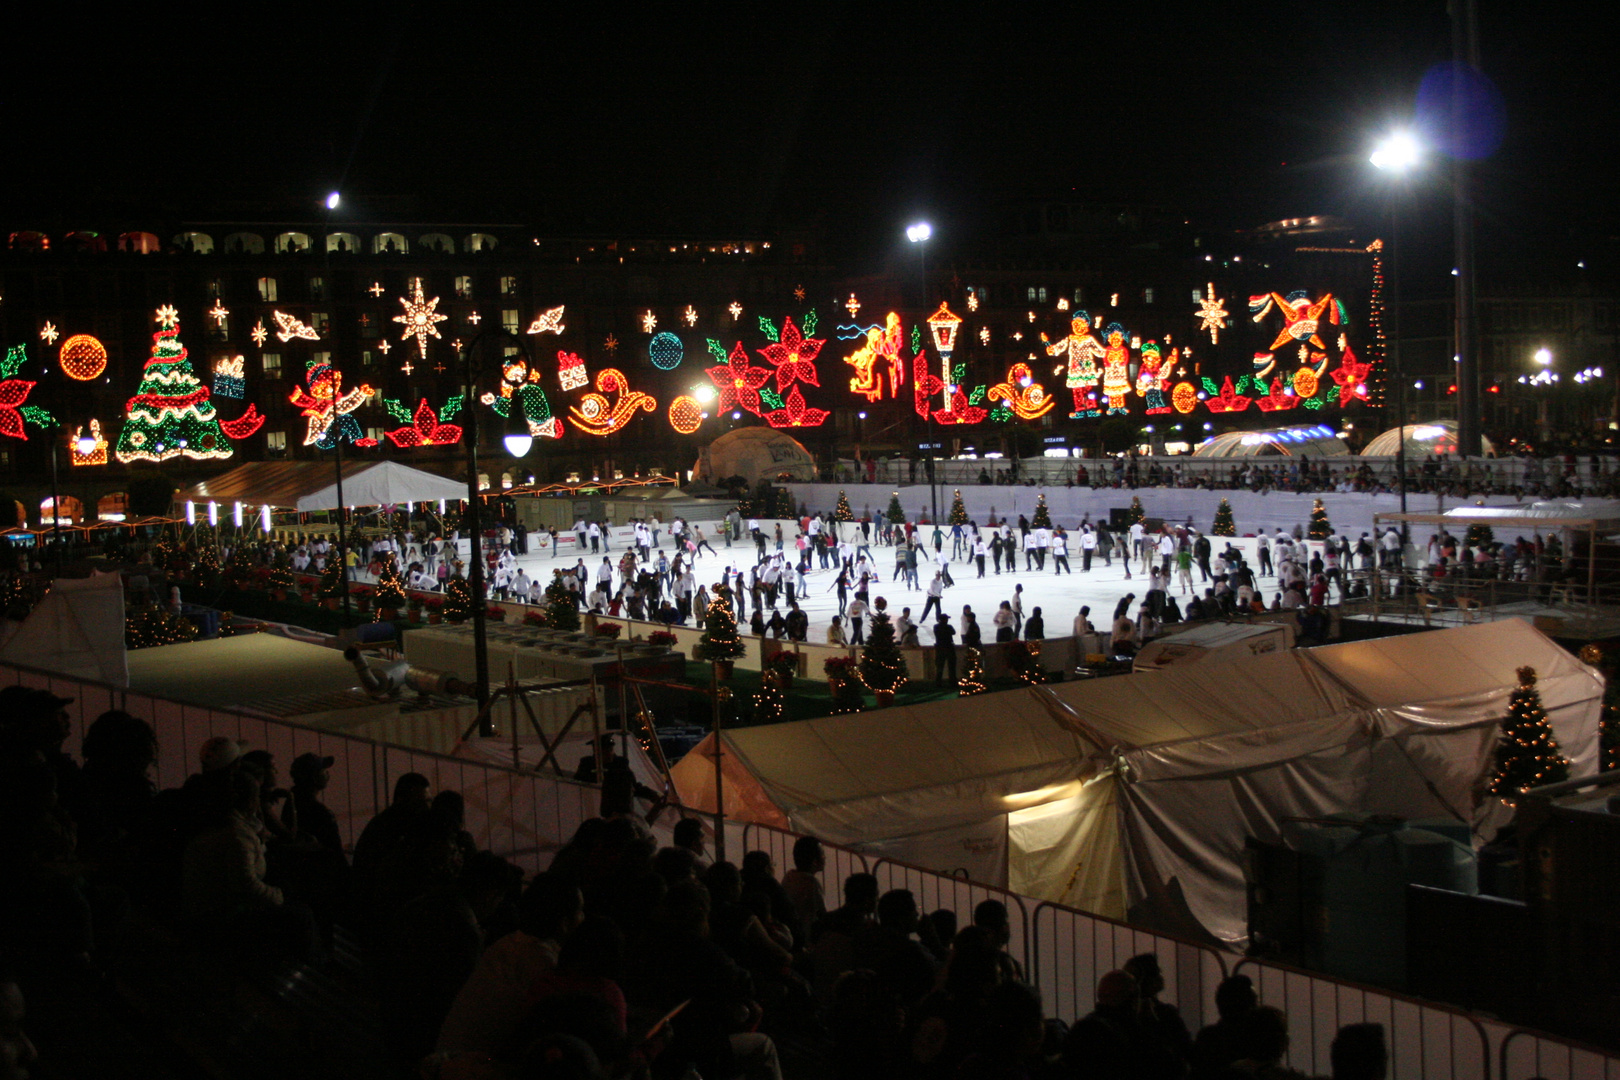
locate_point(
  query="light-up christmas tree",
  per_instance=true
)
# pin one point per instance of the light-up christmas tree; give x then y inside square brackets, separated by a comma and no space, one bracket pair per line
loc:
[842,512]
[1224,526]
[1527,754]
[1321,528]
[1478,535]
[1135,515]
[972,680]
[390,585]
[331,583]
[562,612]
[458,599]
[170,414]
[896,513]
[958,511]
[720,640]
[1043,516]
[882,667]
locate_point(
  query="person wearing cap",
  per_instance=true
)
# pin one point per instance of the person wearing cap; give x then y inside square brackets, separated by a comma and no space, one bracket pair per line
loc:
[310,776]
[1112,1041]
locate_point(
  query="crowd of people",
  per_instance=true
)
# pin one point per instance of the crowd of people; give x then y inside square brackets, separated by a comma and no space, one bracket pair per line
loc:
[622,958]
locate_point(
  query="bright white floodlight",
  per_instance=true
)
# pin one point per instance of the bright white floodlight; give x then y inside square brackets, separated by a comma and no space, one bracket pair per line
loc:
[332,201]
[919,232]
[1396,153]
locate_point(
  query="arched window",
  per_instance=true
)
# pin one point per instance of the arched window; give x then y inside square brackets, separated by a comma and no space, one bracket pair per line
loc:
[114,507]
[195,242]
[478,241]
[438,242]
[84,241]
[291,243]
[342,243]
[71,510]
[30,241]
[389,243]
[244,243]
[139,243]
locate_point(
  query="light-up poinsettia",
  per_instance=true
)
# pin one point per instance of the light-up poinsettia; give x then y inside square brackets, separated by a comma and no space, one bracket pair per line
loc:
[1228,400]
[1351,375]
[794,356]
[795,413]
[425,429]
[738,382]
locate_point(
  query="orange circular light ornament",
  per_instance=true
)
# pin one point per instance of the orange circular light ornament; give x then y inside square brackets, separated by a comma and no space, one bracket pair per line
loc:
[1305,383]
[685,415]
[83,357]
[1184,397]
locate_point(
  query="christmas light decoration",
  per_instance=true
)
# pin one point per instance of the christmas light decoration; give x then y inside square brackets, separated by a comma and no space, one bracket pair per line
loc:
[1211,314]
[720,640]
[571,370]
[972,680]
[1224,525]
[259,334]
[973,300]
[883,667]
[852,305]
[1351,377]
[88,451]
[690,315]
[288,327]
[666,351]
[1278,397]
[82,357]
[685,414]
[1063,303]
[1301,317]
[171,414]
[1116,368]
[738,382]
[48,333]
[1227,400]
[959,410]
[13,395]
[793,356]
[597,415]
[736,310]
[517,381]
[1025,397]
[795,413]
[1184,398]
[649,323]
[611,344]
[1150,379]
[472,317]
[1083,351]
[1305,383]
[327,408]
[548,321]
[798,293]
[385,346]
[218,312]
[376,289]
[426,428]
[1320,527]
[1527,753]
[419,317]
[984,335]
[924,384]
[229,378]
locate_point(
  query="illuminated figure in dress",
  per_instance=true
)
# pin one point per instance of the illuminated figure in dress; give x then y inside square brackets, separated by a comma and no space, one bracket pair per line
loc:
[1150,379]
[1116,368]
[1083,350]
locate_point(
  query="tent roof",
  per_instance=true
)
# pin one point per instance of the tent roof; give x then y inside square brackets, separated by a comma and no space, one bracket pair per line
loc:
[311,485]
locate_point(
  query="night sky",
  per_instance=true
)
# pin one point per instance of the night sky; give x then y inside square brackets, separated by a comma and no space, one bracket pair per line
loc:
[847,117]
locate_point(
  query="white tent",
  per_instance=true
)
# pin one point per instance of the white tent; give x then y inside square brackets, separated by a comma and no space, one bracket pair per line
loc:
[1214,641]
[77,629]
[311,485]
[1134,796]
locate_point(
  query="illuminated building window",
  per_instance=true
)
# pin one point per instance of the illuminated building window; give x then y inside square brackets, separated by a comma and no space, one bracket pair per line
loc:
[291,243]
[1079,295]
[1040,294]
[509,320]
[317,288]
[1030,294]
[272,365]
[267,289]
[342,243]
[367,358]
[321,321]
[244,243]
[1198,296]
[1147,296]
[275,442]
[389,243]
[478,241]
[375,434]
[508,285]
[438,242]
[464,286]
[195,243]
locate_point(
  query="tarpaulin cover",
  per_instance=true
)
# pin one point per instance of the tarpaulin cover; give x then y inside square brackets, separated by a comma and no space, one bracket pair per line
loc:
[77,629]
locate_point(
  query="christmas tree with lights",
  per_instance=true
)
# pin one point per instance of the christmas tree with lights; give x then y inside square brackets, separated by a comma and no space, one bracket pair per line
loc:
[1224,525]
[170,414]
[770,704]
[390,585]
[562,612]
[972,680]
[330,586]
[896,513]
[1478,535]
[148,627]
[1042,518]
[958,511]
[1135,515]
[720,640]
[208,561]
[458,599]
[882,668]
[1527,754]
[842,512]
[1321,528]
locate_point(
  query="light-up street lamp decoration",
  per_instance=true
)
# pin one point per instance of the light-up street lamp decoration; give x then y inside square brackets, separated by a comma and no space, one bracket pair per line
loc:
[944,324]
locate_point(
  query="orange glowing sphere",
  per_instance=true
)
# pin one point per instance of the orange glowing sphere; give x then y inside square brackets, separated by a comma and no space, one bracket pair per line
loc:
[83,357]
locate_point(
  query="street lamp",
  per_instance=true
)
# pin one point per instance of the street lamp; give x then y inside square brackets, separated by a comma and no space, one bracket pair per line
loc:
[918,233]
[1397,154]
[1544,356]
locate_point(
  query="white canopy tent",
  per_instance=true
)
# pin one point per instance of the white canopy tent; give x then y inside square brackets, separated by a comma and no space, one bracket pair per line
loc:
[1134,796]
[1214,641]
[311,485]
[77,629]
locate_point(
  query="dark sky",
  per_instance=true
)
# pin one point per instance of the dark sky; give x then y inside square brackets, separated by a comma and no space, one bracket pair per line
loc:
[699,117]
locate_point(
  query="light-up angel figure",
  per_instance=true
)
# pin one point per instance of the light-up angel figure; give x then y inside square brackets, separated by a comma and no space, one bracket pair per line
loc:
[328,407]
[888,350]
[520,382]
[1150,379]
[866,382]
[1116,368]
[1083,350]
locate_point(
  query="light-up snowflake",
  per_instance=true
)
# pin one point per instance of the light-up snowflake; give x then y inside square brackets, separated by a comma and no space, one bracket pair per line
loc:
[475,318]
[376,288]
[167,316]
[218,312]
[798,293]
[48,333]
[649,323]
[852,305]
[690,315]
[735,309]
[973,301]
[385,346]
[420,319]
[259,334]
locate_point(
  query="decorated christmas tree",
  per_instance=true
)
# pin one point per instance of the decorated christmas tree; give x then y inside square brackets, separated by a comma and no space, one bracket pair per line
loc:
[720,640]
[281,575]
[390,585]
[843,512]
[1024,657]
[972,680]
[958,511]
[1527,754]
[769,702]
[208,562]
[896,513]
[147,627]
[331,583]
[171,413]
[1043,516]
[1223,520]
[1321,528]
[1609,713]
[562,613]
[882,668]
[1478,535]
[844,684]
[1135,515]
[458,599]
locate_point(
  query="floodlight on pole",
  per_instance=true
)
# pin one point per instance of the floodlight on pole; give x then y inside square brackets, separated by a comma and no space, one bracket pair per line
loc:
[333,200]
[1397,152]
[919,232]
[1544,356]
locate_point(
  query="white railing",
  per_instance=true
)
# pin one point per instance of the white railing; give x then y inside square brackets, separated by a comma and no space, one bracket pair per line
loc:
[526,817]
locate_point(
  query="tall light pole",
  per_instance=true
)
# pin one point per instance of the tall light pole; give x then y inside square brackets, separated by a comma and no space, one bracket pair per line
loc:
[1397,154]
[918,234]
[332,202]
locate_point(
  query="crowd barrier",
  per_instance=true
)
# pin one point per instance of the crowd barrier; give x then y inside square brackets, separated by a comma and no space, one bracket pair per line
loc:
[526,817]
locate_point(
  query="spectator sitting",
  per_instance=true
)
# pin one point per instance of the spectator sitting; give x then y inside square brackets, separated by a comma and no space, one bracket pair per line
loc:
[991,916]
[311,773]
[1220,1043]
[803,888]
[1161,1020]
[689,835]
[1359,1053]
[1263,1036]
[888,948]
[833,938]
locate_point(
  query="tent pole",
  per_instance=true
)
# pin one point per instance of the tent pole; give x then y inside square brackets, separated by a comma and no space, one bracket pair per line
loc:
[719,772]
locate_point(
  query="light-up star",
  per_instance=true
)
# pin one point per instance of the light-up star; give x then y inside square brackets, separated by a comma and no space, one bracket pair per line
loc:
[798,293]
[376,288]
[548,321]
[384,345]
[48,333]
[474,318]
[259,334]
[973,301]
[420,319]
[406,366]
[984,335]
[611,344]
[852,305]
[456,344]
[736,310]
[690,315]
[288,327]
[218,312]
[649,323]
[167,316]
[1212,313]
[1018,335]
